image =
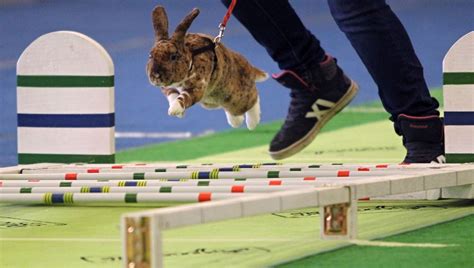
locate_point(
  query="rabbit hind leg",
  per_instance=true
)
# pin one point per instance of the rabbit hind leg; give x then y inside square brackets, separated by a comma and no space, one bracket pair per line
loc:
[234,121]
[252,116]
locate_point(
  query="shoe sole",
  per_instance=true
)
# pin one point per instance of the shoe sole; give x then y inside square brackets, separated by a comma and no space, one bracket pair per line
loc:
[311,135]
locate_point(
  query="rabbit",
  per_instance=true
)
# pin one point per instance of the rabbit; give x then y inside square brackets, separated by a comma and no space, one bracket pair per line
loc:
[190,68]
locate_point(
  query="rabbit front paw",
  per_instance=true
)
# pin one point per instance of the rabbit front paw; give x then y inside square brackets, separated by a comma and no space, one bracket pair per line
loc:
[176,109]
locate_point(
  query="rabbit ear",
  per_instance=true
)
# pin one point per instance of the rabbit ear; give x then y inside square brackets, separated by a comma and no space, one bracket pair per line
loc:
[184,25]
[160,23]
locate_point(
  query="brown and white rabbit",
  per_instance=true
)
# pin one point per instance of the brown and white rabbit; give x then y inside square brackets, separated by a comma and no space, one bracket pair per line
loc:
[190,69]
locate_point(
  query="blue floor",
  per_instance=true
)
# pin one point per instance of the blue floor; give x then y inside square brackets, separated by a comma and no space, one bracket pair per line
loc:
[124,29]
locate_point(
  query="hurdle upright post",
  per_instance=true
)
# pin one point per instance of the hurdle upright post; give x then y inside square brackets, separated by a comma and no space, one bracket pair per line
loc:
[65,97]
[458,91]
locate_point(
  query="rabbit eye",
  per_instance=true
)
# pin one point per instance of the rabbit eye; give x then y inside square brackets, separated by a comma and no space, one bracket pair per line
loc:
[150,56]
[174,56]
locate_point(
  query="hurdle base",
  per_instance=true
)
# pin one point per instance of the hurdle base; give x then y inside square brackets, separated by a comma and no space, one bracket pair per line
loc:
[338,221]
[458,192]
[434,194]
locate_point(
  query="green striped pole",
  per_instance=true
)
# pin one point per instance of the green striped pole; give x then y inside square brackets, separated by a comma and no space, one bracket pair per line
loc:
[65,96]
[150,189]
[117,198]
[202,169]
[269,174]
[217,167]
[144,183]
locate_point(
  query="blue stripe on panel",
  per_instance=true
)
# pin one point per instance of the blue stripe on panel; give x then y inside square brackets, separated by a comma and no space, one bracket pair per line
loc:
[66,120]
[458,118]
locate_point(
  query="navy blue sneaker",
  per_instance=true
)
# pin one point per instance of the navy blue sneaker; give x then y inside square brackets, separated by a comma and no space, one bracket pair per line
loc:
[317,95]
[423,137]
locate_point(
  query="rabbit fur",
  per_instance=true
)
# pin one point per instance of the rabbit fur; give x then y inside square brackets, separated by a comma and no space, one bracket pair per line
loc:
[215,77]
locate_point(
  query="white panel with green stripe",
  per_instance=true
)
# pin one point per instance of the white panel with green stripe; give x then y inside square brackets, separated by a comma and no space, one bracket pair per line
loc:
[65,93]
[458,91]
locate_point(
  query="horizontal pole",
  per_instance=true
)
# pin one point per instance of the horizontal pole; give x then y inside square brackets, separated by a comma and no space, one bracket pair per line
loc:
[196,175]
[243,206]
[149,189]
[120,198]
[144,183]
[118,168]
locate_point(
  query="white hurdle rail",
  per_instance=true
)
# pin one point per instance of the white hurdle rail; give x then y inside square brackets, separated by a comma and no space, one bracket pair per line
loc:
[141,231]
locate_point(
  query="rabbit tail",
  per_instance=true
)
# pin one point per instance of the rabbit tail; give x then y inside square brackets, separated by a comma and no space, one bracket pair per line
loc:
[260,75]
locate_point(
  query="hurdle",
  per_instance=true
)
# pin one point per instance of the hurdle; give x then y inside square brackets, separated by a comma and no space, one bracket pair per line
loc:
[336,196]
[60,192]
[65,99]
[226,167]
[337,202]
[212,174]
[170,183]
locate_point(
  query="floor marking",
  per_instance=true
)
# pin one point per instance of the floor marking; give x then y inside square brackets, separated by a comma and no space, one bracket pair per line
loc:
[153,135]
[207,240]
[221,240]
[399,244]
[161,135]
[46,239]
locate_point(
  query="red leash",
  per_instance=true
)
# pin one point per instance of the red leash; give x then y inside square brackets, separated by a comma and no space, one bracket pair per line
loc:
[227,15]
[223,24]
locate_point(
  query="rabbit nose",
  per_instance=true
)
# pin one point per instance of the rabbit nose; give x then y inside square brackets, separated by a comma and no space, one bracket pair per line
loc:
[156,69]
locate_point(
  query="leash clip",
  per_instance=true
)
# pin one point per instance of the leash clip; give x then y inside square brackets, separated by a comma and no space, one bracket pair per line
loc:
[219,37]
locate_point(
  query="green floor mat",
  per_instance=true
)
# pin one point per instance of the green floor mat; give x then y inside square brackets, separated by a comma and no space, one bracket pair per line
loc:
[371,142]
[454,243]
[39,236]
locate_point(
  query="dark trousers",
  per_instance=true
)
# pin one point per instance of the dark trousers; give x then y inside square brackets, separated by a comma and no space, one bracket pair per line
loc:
[374,31]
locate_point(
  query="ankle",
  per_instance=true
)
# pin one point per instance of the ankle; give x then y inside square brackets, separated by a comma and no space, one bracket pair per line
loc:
[422,137]
[427,129]
[315,77]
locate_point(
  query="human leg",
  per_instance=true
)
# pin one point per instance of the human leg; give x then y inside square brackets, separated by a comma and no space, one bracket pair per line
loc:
[319,88]
[275,25]
[383,44]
